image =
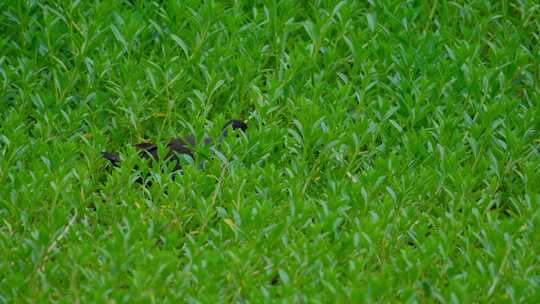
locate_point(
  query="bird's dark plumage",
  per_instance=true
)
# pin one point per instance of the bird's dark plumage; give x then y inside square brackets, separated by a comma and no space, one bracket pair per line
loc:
[235,125]
[175,147]
[113,158]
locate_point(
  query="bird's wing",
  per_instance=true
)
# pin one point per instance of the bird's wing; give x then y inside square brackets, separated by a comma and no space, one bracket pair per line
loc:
[114,158]
[147,149]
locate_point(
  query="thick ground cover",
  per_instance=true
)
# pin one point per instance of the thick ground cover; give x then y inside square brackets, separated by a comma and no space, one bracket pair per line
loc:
[392,152]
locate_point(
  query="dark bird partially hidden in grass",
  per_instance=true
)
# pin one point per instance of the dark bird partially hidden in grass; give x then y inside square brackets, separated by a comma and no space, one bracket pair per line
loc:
[175,147]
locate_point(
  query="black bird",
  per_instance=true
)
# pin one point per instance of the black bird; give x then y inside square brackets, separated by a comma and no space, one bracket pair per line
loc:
[175,147]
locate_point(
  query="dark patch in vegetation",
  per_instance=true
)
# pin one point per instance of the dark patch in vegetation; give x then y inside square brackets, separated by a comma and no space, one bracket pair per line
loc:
[175,148]
[275,280]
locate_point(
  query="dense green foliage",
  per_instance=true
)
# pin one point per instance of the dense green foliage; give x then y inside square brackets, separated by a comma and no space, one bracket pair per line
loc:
[392,155]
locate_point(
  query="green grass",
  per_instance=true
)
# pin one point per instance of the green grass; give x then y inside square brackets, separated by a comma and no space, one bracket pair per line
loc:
[392,156]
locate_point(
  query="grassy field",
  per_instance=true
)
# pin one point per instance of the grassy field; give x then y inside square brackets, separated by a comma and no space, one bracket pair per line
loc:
[392,153]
